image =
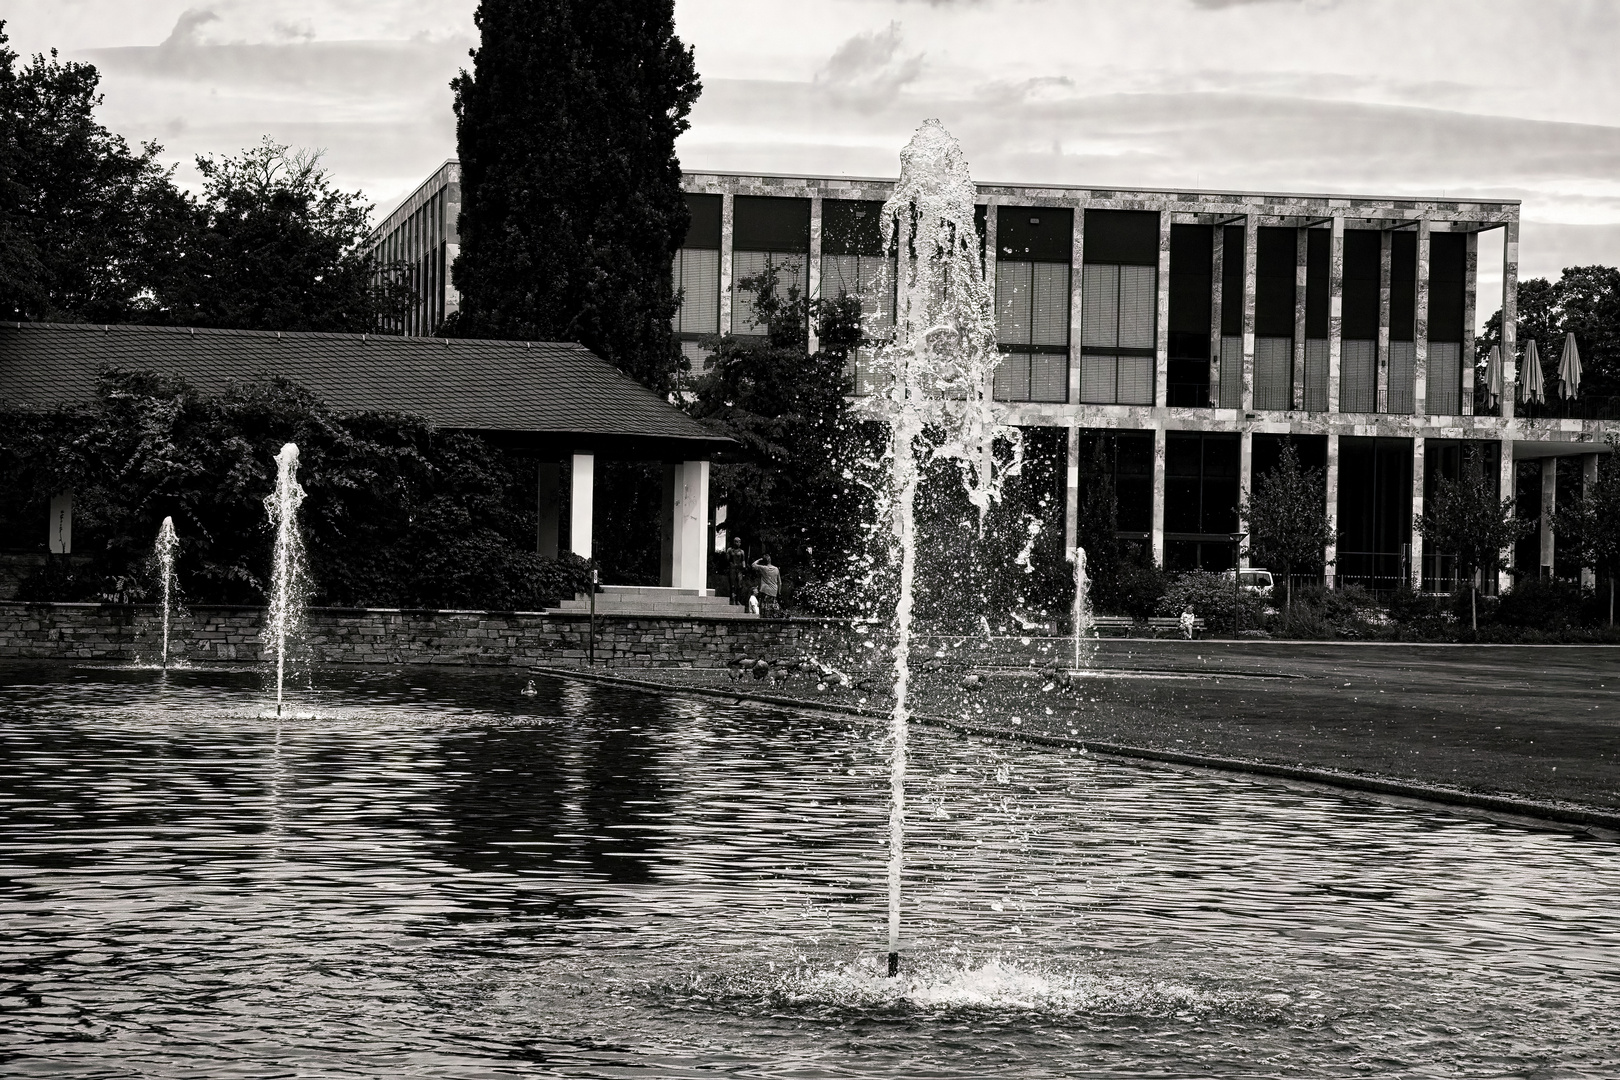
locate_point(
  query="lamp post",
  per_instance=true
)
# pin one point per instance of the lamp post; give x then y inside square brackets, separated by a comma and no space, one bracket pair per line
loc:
[1237,539]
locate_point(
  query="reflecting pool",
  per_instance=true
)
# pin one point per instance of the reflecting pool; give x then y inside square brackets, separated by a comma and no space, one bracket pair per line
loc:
[433,874]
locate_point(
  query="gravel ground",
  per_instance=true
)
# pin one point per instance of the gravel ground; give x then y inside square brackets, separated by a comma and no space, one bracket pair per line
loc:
[1537,722]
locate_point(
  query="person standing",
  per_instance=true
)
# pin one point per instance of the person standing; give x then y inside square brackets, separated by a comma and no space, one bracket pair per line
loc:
[770,583]
[736,566]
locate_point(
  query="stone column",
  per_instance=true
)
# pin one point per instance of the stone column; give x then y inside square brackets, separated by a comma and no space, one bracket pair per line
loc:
[1251,249]
[1416,569]
[1161,333]
[1077,273]
[1381,401]
[1158,493]
[813,281]
[1420,333]
[1505,490]
[1217,277]
[1302,238]
[1549,506]
[547,510]
[1510,316]
[1335,311]
[727,207]
[1589,475]
[1332,553]
[1470,304]
[581,498]
[1071,504]
[1245,485]
[990,260]
[690,518]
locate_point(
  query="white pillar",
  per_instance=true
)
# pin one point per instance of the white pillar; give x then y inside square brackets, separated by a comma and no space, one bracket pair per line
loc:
[690,517]
[1245,486]
[547,519]
[581,498]
[1416,569]
[1506,489]
[1157,535]
[1330,571]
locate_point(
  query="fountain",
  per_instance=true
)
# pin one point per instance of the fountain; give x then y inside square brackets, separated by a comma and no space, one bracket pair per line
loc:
[936,371]
[166,543]
[1081,622]
[283,621]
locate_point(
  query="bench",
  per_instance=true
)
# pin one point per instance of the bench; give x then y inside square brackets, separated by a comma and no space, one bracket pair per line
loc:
[1159,626]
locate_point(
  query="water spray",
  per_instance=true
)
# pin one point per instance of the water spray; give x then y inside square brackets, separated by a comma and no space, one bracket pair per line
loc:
[286,571]
[934,380]
[166,543]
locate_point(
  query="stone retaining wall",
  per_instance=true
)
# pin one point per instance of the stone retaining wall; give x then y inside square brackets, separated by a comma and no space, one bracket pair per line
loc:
[131,633]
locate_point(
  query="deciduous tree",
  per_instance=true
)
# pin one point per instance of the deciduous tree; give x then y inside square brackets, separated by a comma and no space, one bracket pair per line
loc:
[1287,516]
[1465,518]
[1589,527]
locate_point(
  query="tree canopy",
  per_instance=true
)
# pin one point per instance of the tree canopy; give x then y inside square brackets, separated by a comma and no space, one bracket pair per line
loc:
[1465,518]
[1287,516]
[1585,301]
[571,201]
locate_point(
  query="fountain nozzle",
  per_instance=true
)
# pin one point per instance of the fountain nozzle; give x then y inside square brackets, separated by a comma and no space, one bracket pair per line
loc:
[894,964]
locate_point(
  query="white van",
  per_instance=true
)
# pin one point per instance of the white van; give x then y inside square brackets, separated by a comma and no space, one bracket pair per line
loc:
[1254,581]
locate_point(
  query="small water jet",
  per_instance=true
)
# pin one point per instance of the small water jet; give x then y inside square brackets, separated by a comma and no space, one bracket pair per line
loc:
[284,620]
[1083,626]
[167,541]
[935,374]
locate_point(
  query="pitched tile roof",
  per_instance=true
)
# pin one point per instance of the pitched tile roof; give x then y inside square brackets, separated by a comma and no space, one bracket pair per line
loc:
[521,388]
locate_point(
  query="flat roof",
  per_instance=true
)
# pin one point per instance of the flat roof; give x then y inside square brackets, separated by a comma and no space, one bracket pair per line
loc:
[1212,192]
[541,396]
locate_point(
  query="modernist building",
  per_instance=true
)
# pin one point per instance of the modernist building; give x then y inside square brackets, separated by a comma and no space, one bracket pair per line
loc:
[1190,334]
[421,239]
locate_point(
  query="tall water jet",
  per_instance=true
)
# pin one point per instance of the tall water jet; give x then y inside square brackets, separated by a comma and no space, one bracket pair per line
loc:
[1080,618]
[935,373]
[166,543]
[284,619]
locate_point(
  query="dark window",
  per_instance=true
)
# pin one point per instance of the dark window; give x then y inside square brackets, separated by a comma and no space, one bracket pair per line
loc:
[1569,485]
[1201,483]
[851,227]
[1448,281]
[704,231]
[1527,507]
[1276,262]
[1318,253]
[1191,273]
[1266,452]
[1121,237]
[1035,233]
[1232,281]
[1361,284]
[1402,285]
[767,223]
[1375,510]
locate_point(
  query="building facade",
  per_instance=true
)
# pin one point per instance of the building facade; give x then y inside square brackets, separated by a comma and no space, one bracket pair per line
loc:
[1193,334]
[420,240]
[1180,337]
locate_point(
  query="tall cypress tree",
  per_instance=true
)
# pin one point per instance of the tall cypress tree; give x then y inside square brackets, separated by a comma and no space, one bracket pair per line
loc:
[571,199]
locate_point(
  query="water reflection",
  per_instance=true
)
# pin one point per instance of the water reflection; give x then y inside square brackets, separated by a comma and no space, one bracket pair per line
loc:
[465,881]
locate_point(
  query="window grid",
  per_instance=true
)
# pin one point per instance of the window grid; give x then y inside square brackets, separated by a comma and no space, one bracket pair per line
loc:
[1402,365]
[860,276]
[1231,372]
[1358,376]
[1443,385]
[1274,373]
[792,273]
[1032,310]
[1316,375]
[697,279]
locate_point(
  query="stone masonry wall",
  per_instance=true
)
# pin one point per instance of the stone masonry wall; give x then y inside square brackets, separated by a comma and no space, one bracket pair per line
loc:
[131,633]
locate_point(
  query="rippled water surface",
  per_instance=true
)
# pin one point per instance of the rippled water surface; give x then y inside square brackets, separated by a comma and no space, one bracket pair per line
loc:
[434,875]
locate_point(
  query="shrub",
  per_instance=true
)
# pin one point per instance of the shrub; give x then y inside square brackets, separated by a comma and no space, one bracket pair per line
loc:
[1542,604]
[1210,597]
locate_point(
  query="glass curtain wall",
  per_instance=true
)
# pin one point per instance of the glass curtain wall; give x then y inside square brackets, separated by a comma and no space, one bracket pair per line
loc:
[1119,307]
[696,276]
[1358,351]
[767,234]
[1192,249]
[1231,368]
[1448,286]
[1276,261]
[853,263]
[1034,249]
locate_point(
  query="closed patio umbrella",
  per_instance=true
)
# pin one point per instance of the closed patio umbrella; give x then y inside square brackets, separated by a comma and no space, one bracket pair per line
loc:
[1569,369]
[1531,387]
[1493,378]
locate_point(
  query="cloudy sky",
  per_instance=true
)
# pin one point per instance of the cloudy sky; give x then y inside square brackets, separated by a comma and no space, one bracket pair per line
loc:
[1490,98]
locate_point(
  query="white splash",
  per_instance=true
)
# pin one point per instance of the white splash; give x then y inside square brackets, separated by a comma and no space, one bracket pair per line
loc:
[1082,623]
[283,621]
[934,380]
[167,541]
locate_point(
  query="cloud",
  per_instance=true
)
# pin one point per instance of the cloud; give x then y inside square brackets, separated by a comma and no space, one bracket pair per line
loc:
[185,28]
[869,67]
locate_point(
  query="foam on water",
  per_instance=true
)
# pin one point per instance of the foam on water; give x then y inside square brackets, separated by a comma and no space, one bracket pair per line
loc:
[946,987]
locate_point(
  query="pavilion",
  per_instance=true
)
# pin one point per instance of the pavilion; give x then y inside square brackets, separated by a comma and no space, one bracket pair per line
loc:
[559,403]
